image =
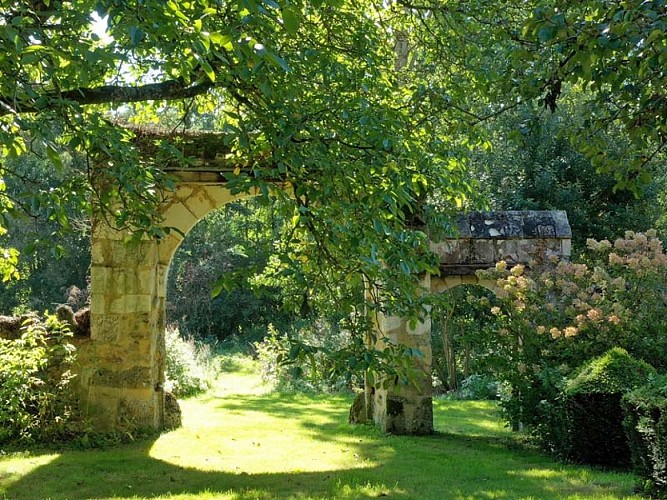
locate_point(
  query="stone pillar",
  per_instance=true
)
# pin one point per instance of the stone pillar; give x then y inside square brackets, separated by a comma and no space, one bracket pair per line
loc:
[121,367]
[405,408]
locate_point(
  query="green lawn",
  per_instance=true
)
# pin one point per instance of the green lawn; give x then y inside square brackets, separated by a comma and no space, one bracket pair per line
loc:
[240,442]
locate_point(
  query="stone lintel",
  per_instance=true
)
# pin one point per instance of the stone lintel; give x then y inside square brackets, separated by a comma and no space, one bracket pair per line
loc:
[180,216]
[200,176]
[466,269]
[514,224]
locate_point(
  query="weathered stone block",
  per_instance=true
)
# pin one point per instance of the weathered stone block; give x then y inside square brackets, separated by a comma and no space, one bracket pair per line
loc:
[220,195]
[168,247]
[199,203]
[389,325]
[131,304]
[135,377]
[358,412]
[183,192]
[419,327]
[172,412]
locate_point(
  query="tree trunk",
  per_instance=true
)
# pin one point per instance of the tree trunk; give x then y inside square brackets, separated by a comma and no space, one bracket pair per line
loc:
[449,352]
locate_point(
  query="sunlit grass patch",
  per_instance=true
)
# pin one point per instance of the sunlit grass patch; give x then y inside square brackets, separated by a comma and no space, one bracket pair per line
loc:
[471,418]
[17,465]
[239,441]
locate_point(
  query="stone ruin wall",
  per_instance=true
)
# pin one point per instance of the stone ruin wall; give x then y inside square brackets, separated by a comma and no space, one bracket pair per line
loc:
[121,368]
[484,238]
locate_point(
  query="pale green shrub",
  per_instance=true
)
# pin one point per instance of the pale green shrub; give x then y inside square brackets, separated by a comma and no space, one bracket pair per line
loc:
[190,366]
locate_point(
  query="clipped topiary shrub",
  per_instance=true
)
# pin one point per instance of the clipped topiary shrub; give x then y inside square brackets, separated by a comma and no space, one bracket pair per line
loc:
[593,407]
[645,424]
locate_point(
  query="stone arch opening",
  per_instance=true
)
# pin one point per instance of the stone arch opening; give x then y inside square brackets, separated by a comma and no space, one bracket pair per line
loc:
[482,239]
[460,334]
[121,367]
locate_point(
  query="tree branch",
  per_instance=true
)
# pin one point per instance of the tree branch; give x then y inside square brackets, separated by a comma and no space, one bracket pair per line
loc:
[112,94]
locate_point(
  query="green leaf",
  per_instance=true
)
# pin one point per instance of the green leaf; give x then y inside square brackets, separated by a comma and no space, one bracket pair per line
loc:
[54,156]
[277,61]
[136,35]
[291,20]
[222,39]
[208,69]
[217,289]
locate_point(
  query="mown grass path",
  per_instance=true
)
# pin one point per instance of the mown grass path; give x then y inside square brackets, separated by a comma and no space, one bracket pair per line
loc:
[240,442]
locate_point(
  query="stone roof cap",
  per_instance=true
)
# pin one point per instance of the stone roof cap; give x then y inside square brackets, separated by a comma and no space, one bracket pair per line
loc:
[514,224]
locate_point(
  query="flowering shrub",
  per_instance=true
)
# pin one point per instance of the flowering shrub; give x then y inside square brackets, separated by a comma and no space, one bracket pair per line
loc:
[553,319]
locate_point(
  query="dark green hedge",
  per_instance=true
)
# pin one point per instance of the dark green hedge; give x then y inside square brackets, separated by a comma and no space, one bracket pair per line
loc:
[645,424]
[593,407]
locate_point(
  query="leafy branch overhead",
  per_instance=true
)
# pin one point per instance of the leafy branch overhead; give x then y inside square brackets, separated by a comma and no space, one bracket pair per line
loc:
[370,110]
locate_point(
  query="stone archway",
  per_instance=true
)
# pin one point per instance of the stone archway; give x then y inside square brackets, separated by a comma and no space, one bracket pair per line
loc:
[484,238]
[121,366]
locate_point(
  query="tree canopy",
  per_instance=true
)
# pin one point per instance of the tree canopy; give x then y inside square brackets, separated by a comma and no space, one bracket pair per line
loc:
[368,109]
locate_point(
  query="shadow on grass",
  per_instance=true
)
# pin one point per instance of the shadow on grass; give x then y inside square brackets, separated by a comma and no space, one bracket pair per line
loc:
[455,417]
[487,472]
[442,466]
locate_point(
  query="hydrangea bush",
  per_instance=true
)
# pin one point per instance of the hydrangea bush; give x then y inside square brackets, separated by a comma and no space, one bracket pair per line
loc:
[558,315]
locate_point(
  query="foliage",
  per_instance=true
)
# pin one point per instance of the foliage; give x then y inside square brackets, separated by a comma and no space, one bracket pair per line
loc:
[553,320]
[190,366]
[36,403]
[592,404]
[324,355]
[462,335]
[616,51]
[366,111]
[477,387]
[645,423]
[293,95]
[283,368]
[534,166]
[230,245]
[54,241]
